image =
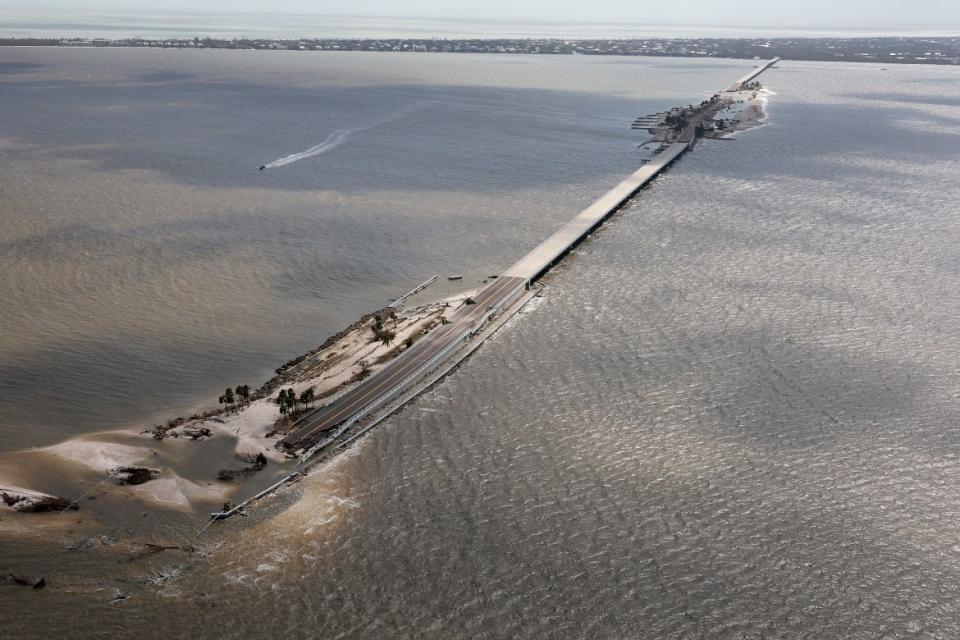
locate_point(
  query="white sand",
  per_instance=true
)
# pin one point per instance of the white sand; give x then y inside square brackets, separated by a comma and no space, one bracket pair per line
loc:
[328,372]
[176,492]
[99,455]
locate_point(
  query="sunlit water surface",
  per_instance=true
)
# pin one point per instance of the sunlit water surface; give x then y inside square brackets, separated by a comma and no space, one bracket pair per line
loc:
[732,414]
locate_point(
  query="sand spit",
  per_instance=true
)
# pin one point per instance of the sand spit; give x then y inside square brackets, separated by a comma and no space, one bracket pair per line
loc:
[98,455]
[329,372]
[220,439]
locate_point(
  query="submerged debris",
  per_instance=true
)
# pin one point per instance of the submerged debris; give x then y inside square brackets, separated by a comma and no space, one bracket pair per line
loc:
[37,504]
[150,547]
[259,461]
[194,433]
[133,475]
[24,581]
[83,544]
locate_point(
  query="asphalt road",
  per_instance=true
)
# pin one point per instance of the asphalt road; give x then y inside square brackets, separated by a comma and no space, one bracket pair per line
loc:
[381,383]
[385,381]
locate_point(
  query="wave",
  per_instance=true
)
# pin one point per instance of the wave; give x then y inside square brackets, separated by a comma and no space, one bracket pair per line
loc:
[338,137]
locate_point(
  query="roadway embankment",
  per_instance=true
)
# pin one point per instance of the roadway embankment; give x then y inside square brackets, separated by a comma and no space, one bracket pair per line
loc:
[547,253]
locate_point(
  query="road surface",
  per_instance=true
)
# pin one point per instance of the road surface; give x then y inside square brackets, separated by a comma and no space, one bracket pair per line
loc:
[381,384]
[397,374]
[550,250]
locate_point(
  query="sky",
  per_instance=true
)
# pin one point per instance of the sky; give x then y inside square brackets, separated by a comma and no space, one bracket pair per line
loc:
[487,18]
[820,13]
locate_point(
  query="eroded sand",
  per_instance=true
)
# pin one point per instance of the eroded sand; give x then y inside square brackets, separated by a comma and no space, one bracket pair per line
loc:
[89,461]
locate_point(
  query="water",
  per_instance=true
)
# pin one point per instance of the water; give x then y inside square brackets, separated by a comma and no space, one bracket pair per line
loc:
[731,415]
[146,264]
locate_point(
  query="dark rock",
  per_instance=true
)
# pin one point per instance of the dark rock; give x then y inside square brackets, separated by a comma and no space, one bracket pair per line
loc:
[24,581]
[10,499]
[45,505]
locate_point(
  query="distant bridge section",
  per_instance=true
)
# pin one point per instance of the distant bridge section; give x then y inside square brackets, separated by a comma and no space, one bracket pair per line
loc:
[750,77]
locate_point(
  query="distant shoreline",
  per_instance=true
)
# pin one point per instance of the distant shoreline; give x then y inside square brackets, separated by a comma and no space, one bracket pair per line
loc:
[875,50]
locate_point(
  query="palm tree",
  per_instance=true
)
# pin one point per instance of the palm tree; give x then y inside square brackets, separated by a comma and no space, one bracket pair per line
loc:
[287,399]
[306,397]
[282,401]
[243,394]
[228,398]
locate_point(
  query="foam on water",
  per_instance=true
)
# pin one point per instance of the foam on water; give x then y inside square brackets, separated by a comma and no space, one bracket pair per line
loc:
[338,137]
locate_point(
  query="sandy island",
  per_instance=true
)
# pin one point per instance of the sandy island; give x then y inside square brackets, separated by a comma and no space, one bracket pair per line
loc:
[253,428]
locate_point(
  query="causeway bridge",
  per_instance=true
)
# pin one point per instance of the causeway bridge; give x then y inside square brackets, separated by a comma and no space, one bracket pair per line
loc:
[407,368]
[326,423]
[499,299]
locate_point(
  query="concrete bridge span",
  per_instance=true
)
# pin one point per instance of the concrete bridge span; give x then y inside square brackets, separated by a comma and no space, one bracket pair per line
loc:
[326,424]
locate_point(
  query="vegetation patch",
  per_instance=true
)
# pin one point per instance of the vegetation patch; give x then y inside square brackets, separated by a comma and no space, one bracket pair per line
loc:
[133,475]
[389,355]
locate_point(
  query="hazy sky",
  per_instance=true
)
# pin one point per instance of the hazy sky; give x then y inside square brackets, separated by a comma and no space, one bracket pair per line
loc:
[820,13]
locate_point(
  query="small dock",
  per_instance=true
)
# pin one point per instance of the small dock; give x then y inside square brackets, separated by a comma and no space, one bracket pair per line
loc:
[397,302]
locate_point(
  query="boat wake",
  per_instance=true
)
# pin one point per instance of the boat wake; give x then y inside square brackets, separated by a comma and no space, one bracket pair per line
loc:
[338,137]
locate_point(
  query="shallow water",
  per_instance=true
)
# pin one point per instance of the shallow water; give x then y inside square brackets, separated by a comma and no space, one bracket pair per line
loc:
[732,414]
